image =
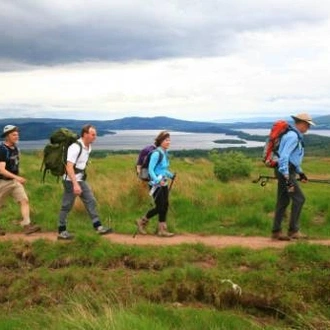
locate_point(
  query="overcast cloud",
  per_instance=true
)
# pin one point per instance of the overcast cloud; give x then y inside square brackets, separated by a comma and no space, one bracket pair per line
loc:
[182,58]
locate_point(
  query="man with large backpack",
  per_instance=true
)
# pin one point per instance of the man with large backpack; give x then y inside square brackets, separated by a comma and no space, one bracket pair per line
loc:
[74,183]
[11,182]
[290,156]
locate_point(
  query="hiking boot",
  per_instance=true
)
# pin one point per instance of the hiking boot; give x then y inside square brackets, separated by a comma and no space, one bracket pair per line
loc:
[141,225]
[164,233]
[2,232]
[278,235]
[103,230]
[64,235]
[30,229]
[162,230]
[297,235]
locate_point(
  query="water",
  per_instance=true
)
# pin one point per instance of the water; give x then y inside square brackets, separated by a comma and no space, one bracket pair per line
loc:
[136,139]
[265,132]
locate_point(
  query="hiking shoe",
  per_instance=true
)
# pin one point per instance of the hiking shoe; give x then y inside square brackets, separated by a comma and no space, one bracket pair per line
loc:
[141,226]
[103,230]
[64,235]
[297,235]
[2,232]
[278,235]
[30,229]
[164,233]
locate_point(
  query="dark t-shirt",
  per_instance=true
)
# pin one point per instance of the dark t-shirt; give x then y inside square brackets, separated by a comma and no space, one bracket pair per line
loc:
[11,157]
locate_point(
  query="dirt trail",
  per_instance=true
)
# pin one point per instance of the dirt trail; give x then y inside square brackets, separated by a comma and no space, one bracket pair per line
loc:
[253,242]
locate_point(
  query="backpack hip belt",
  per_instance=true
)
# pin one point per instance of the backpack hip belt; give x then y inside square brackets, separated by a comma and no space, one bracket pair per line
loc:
[78,170]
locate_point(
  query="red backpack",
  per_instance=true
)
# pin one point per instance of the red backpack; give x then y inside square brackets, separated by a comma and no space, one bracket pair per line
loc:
[270,154]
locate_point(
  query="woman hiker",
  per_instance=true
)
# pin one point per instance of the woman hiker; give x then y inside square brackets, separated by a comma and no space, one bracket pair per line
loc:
[158,185]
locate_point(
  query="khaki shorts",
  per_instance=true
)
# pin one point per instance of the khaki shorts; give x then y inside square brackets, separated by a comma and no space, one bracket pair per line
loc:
[12,188]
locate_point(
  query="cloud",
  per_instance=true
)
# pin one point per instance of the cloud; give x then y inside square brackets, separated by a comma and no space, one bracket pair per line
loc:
[53,32]
[186,59]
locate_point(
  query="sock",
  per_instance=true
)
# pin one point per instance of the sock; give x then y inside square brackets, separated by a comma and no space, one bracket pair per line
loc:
[97,224]
[25,222]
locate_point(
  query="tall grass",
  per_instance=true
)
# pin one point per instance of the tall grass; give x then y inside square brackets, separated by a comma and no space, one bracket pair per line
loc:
[199,203]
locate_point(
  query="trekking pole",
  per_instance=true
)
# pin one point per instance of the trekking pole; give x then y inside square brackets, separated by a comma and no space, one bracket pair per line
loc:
[156,187]
[171,184]
[263,179]
[109,218]
[135,232]
[169,190]
[327,181]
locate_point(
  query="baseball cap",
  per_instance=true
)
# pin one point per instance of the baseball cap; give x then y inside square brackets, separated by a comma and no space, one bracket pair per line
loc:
[8,129]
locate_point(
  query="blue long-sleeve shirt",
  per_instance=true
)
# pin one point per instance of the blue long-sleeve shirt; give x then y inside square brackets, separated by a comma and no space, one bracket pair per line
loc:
[291,150]
[158,171]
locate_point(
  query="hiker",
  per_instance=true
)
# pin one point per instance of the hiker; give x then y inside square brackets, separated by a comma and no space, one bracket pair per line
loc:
[158,185]
[11,183]
[291,153]
[74,183]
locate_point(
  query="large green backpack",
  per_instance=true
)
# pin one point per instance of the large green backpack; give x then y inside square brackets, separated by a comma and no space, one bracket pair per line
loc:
[55,152]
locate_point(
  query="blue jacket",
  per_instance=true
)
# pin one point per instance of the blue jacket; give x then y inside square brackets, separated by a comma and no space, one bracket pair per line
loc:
[159,172]
[291,150]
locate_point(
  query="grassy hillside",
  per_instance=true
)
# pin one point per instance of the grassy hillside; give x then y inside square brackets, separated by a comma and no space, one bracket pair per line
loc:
[199,202]
[92,284]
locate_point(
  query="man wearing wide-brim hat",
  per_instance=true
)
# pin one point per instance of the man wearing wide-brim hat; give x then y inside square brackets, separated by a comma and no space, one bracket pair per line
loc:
[11,183]
[291,154]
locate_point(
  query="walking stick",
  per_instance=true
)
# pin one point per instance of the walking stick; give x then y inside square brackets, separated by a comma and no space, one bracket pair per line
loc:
[171,184]
[263,179]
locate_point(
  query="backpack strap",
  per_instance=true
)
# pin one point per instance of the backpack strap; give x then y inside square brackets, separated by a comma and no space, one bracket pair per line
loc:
[4,147]
[80,150]
[160,157]
[79,154]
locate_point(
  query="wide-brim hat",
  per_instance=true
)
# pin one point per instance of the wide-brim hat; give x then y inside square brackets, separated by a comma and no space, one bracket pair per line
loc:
[304,117]
[8,129]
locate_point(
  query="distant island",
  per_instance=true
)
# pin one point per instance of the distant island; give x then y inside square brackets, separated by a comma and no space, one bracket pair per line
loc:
[230,141]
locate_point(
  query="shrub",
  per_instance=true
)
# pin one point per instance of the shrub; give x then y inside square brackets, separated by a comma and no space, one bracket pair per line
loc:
[231,165]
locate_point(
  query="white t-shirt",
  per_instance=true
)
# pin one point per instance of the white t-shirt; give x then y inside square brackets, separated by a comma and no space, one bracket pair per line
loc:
[81,161]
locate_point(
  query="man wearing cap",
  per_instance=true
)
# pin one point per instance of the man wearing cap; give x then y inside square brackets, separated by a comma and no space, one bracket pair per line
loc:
[291,153]
[11,183]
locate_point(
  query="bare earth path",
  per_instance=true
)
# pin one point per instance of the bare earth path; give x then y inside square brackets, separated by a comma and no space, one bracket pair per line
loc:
[253,242]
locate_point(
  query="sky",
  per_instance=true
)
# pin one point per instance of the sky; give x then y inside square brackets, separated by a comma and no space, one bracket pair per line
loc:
[187,59]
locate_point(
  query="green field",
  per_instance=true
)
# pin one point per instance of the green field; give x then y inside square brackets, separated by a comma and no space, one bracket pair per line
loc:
[91,283]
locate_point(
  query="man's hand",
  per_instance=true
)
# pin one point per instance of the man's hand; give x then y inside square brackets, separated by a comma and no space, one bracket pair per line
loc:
[77,189]
[289,186]
[20,179]
[303,178]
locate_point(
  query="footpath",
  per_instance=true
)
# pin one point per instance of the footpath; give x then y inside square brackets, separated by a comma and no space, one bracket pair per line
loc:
[252,242]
